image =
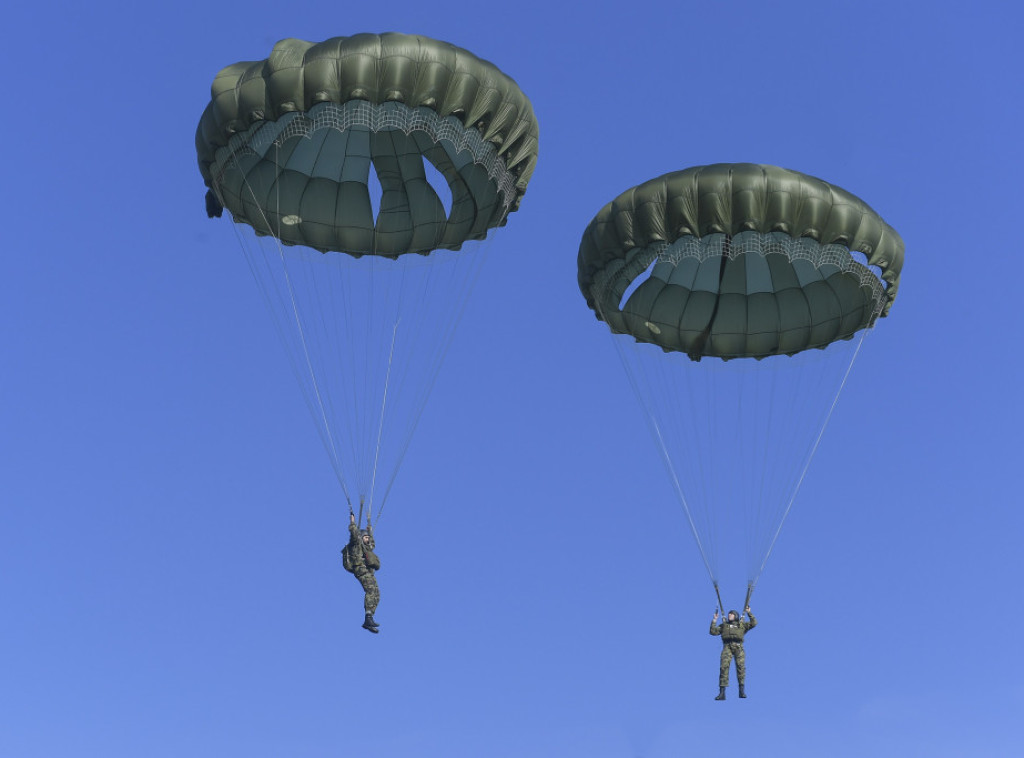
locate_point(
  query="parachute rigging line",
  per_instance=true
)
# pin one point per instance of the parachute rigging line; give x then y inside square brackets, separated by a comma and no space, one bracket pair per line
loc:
[445,346]
[326,437]
[807,464]
[380,426]
[667,458]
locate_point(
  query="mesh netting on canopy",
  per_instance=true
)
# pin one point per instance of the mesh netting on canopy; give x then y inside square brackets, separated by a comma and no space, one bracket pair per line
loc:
[306,179]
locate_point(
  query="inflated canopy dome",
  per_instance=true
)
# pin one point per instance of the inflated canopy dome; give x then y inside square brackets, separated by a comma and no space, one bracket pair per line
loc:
[287,143]
[741,260]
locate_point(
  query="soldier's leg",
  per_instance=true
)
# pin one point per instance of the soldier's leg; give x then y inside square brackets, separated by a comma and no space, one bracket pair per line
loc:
[371,596]
[371,590]
[741,665]
[723,666]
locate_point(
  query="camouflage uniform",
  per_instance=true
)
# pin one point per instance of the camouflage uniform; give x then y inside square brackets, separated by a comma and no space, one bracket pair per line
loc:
[364,562]
[732,647]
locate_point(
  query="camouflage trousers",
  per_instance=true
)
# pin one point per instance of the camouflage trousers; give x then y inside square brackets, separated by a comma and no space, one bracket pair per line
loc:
[732,650]
[369,582]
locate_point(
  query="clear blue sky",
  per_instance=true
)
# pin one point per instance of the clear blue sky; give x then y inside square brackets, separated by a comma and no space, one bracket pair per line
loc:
[169,524]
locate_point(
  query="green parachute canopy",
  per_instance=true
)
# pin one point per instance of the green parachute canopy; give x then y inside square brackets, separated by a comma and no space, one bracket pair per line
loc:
[748,261]
[287,144]
[337,160]
[752,265]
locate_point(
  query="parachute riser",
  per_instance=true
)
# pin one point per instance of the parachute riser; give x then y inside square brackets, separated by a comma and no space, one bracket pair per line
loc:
[359,519]
[746,601]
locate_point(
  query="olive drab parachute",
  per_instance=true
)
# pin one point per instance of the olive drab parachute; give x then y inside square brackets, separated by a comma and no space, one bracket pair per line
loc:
[357,171]
[386,101]
[738,296]
[764,264]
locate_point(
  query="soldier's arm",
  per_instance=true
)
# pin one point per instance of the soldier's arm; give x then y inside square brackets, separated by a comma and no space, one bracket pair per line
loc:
[355,544]
[753,621]
[715,630]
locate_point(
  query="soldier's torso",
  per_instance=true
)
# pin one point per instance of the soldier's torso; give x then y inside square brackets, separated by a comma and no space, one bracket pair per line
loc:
[732,631]
[361,555]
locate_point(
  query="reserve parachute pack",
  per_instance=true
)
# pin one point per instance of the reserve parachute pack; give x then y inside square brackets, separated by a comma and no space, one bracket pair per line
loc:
[346,560]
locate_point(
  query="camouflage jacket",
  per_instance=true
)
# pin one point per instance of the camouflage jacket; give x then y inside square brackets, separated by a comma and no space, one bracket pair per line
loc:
[733,631]
[361,556]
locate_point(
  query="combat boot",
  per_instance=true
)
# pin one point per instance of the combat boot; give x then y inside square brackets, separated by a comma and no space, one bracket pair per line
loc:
[721,693]
[370,625]
[742,691]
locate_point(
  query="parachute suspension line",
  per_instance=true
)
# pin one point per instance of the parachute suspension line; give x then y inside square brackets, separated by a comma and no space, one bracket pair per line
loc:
[711,431]
[309,363]
[704,454]
[444,346]
[718,594]
[682,499]
[329,322]
[373,184]
[333,308]
[807,464]
[760,515]
[380,426]
[744,442]
[319,409]
[666,458]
